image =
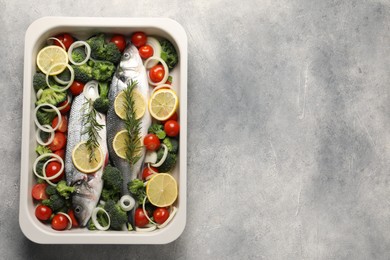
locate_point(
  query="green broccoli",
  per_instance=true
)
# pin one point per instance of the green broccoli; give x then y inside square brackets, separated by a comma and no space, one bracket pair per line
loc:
[118,216]
[55,202]
[157,129]
[64,190]
[65,75]
[108,194]
[41,149]
[39,81]
[169,162]
[51,97]
[82,73]
[78,54]
[102,103]
[101,50]
[112,178]
[137,189]
[172,144]
[102,70]
[169,54]
[51,190]
[45,118]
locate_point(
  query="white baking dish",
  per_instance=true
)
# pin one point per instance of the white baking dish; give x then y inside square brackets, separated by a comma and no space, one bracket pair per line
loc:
[82,27]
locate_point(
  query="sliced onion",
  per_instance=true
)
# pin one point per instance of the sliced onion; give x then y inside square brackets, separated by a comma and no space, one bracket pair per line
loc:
[171,215]
[44,172]
[161,86]
[91,90]
[70,223]
[148,228]
[76,45]
[39,139]
[69,98]
[60,81]
[145,213]
[158,164]
[70,82]
[166,71]
[150,157]
[155,44]
[59,159]
[45,129]
[96,222]
[127,203]
[56,39]
[39,93]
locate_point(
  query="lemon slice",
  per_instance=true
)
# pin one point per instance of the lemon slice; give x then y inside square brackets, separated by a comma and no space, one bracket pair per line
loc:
[163,104]
[52,60]
[161,190]
[120,143]
[139,104]
[81,155]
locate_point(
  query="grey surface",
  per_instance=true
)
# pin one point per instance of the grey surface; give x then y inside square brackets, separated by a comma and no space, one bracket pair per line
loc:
[288,144]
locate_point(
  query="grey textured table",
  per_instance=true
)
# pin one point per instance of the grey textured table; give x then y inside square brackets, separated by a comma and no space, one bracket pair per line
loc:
[288,144]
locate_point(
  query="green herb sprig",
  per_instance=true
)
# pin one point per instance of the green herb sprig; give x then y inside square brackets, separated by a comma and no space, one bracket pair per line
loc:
[133,126]
[92,127]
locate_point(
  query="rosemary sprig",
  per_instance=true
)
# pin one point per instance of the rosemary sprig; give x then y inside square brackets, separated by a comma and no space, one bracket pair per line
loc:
[91,129]
[133,126]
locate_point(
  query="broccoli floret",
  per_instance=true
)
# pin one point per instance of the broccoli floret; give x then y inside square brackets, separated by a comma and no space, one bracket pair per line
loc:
[118,216]
[55,202]
[158,130]
[45,118]
[101,50]
[39,81]
[64,190]
[51,97]
[65,75]
[169,162]
[78,54]
[40,149]
[137,189]
[102,103]
[169,54]
[102,70]
[108,194]
[82,73]
[51,190]
[112,178]
[172,144]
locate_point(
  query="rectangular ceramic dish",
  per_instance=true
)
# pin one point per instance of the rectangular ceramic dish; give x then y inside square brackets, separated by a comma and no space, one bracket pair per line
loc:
[83,27]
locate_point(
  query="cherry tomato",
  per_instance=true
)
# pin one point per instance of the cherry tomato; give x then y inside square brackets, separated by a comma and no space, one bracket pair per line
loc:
[63,126]
[58,142]
[146,172]
[66,39]
[145,51]
[66,108]
[76,88]
[172,128]
[39,191]
[151,142]
[140,218]
[59,222]
[73,218]
[174,117]
[60,153]
[156,73]
[52,168]
[43,212]
[160,215]
[138,39]
[119,41]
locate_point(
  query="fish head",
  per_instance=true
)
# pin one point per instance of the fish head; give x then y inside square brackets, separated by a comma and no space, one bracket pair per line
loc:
[131,63]
[84,200]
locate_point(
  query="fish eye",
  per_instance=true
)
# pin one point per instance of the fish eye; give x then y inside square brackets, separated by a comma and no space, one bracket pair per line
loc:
[77,209]
[126,55]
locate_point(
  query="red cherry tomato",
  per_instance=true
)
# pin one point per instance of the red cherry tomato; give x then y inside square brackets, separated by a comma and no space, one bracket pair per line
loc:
[39,191]
[63,126]
[138,39]
[174,117]
[43,212]
[76,88]
[59,222]
[160,215]
[140,218]
[73,218]
[151,142]
[66,39]
[157,73]
[146,51]
[60,153]
[58,142]
[66,108]
[172,128]
[52,168]
[119,41]
[146,172]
